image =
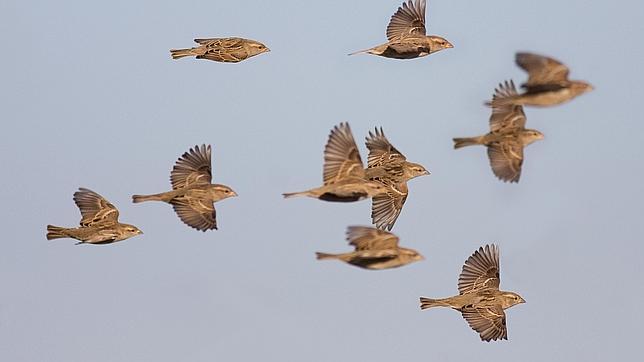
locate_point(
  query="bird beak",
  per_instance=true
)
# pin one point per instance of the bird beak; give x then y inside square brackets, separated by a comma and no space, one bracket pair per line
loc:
[449,45]
[266,50]
[522,301]
[427,172]
[234,194]
[140,232]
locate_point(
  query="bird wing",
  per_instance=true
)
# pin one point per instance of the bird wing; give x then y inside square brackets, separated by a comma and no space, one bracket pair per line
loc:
[481,271]
[192,168]
[541,70]
[341,156]
[368,238]
[196,213]
[386,207]
[506,158]
[506,117]
[409,19]
[381,152]
[222,49]
[94,208]
[488,321]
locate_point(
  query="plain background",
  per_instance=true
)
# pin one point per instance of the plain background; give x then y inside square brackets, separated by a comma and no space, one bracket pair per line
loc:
[90,97]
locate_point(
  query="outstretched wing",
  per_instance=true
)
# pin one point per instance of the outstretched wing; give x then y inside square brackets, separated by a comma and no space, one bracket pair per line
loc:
[409,19]
[506,117]
[481,271]
[386,207]
[94,208]
[341,156]
[368,238]
[196,213]
[381,151]
[488,321]
[192,168]
[541,70]
[506,158]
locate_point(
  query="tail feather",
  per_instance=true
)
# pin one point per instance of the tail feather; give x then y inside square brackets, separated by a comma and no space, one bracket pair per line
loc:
[288,195]
[143,198]
[55,232]
[466,141]
[180,53]
[429,303]
[325,256]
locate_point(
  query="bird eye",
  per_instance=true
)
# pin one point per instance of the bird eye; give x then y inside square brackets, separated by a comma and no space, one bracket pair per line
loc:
[226,191]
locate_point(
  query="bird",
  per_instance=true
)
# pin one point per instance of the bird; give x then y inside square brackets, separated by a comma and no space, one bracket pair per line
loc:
[343,172]
[480,301]
[226,50]
[99,222]
[507,137]
[389,167]
[547,84]
[407,36]
[374,249]
[193,195]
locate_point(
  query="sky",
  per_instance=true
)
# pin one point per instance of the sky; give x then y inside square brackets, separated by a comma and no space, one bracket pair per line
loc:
[91,98]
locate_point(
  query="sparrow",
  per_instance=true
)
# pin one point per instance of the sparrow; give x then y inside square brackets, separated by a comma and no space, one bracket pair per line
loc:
[227,50]
[480,300]
[343,172]
[193,195]
[547,85]
[507,137]
[389,167]
[374,249]
[407,36]
[99,222]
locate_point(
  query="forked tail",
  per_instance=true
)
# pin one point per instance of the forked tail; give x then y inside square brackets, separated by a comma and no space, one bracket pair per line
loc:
[180,53]
[325,256]
[429,303]
[143,198]
[55,232]
[466,141]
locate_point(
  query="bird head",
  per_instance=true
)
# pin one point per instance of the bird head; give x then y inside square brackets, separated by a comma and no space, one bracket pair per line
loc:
[256,47]
[437,43]
[128,231]
[223,192]
[411,255]
[413,170]
[580,87]
[509,299]
[531,135]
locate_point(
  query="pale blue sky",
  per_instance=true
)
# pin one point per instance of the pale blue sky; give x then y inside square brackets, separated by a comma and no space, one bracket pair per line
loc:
[91,98]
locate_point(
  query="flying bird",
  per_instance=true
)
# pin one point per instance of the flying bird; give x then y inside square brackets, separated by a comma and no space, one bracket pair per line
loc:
[389,167]
[547,84]
[507,137]
[193,196]
[407,36]
[480,300]
[226,50]
[99,222]
[374,249]
[343,171]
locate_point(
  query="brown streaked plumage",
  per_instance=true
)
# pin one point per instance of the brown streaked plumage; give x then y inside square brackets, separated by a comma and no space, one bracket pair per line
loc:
[480,300]
[99,222]
[193,195]
[343,172]
[507,137]
[407,36]
[547,84]
[226,50]
[374,249]
[389,167]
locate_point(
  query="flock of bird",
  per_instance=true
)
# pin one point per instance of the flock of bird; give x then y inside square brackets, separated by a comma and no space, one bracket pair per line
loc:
[384,179]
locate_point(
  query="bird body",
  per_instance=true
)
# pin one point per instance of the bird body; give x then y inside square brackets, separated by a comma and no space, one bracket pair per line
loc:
[480,301]
[547,84]
[226,50]
[99,222]
[374,249]
[407,36]
[346,190]
[193,195]
[507,137]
